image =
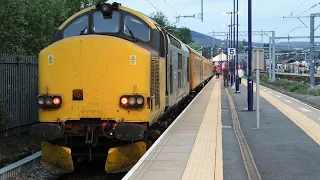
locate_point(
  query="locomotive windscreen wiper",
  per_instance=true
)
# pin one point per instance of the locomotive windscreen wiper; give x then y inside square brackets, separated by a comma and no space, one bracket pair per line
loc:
[82,32]
[134,39]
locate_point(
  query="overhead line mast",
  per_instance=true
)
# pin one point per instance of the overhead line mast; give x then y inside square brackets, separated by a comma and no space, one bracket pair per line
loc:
[200,15]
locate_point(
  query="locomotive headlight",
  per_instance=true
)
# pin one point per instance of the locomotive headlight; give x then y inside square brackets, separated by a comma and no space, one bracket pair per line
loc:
[106,10]
[105,7]
[132,101]
[48,101]
[124,101]
[41,101]
[140,100]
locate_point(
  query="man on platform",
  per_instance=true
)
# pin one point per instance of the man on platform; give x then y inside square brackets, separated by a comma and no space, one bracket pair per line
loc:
[226,76]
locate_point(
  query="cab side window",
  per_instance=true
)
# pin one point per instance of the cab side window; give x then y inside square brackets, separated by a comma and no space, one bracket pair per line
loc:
[78,27]
[138,29]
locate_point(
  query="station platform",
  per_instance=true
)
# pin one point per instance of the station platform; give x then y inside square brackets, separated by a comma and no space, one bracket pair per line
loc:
[191,147]
[287,144]
[204,141]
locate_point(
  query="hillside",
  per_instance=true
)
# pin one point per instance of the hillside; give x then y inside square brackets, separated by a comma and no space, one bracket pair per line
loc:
[206,40]
[203,39]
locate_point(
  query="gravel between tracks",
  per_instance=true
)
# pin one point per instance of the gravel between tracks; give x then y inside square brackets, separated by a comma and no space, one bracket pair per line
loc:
[15,148]
[35,173]
[309,99]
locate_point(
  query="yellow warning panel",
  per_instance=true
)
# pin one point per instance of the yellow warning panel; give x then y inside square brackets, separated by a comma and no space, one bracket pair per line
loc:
[56,158]
[50,59]
[123,158]
[133,60]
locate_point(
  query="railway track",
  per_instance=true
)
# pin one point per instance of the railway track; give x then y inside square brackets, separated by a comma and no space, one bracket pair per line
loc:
[91,171]
[296,77]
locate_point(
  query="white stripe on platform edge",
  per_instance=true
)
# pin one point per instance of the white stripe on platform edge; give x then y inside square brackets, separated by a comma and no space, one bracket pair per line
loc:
[291,98]
[304,109]
[288,101]
[137,165]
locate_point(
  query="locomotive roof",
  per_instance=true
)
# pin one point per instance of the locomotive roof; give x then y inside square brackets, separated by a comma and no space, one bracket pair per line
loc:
[146,19]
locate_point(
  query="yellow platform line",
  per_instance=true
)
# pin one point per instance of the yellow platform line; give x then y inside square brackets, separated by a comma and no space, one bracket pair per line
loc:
[205,161]
[308,125]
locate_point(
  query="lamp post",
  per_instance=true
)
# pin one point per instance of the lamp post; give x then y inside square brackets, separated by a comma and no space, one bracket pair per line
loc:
[250,83]
[231,43]
[228,45]
[234,40]
[237,64]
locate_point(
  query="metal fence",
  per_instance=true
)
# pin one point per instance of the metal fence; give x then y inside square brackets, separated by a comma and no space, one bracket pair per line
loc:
[18,93]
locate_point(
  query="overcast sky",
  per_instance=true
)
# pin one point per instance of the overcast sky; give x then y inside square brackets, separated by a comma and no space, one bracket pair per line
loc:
[267,14]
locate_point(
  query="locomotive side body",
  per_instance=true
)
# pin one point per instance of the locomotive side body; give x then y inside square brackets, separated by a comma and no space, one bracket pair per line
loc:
[177,71]
[195,63]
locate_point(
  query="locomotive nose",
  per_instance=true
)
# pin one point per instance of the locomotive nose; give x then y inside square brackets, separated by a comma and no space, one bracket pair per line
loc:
[92,73]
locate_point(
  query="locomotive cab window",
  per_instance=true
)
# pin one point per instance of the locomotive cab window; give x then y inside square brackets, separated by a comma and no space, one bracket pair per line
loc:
[138,29]
[103,25]
[78,27]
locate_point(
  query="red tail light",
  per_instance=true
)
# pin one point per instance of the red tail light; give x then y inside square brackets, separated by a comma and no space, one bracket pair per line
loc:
[48,101]
[56,101]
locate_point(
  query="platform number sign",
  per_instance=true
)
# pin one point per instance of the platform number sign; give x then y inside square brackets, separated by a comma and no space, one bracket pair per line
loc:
[231,51]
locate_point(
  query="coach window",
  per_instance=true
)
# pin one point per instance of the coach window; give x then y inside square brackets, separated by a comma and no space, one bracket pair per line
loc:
[103,25]
[77,27]
[138,29]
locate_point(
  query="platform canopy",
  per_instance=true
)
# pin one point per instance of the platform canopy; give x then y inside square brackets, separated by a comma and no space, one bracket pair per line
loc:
[220,57]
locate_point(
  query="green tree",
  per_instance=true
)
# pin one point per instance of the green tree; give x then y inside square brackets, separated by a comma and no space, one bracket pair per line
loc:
[195,45]
[27,26]
[184,35]
[12,28]
[75,5]
[163,21]
[243,46]
[206,52]
[160,18]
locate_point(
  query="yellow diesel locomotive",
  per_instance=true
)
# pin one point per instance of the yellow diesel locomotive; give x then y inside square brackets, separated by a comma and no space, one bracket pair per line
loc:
[105,84]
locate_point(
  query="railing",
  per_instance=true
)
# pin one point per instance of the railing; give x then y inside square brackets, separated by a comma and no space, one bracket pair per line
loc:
[18,94]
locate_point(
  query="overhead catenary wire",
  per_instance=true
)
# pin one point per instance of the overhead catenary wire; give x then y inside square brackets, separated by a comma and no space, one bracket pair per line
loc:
[303,23]
[153,6]
[309,8]
[299,6]
[171,7]
[291,15]
[297,27]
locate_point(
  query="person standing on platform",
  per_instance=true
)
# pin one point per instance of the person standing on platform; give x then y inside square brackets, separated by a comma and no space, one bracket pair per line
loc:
[240,74]
[218,72]
[226,76]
